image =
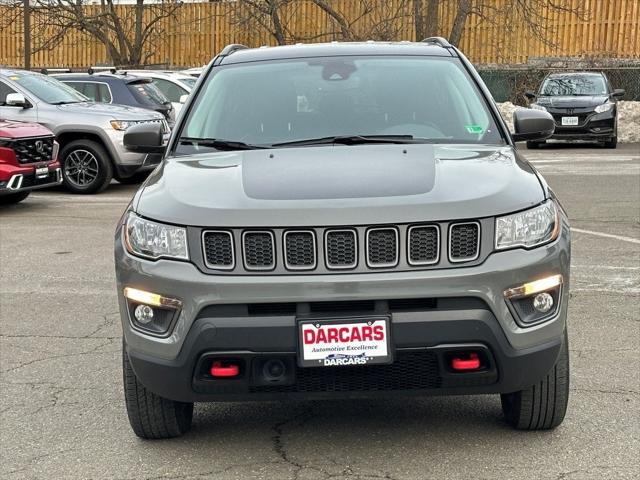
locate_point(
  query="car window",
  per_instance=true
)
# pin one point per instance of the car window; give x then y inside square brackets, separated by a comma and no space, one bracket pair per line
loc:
[189,81]
[170,90]
[430,98]
[147,93]
[4,91]
[566,85]
[47,89]
[104,93]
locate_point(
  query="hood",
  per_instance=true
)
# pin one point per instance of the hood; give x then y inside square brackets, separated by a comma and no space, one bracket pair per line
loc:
[119,112]
[339,185]
[575,101]
[10,129]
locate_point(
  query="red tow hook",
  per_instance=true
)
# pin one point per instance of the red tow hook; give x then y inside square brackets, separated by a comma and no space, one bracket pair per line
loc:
[470,363]
[230,370]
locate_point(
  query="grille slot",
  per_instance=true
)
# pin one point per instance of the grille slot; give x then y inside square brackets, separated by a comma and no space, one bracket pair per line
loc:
[341,249]
[300,250]
[424,245]
[259,250]
[410,371]
[218,249]
[382,247]
[33,150]
[464,241]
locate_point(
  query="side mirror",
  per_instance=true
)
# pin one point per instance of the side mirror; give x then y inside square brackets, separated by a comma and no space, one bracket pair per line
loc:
[530,95]
[618,92]
[144,138]
[183,98]
[16,100]
[530,124]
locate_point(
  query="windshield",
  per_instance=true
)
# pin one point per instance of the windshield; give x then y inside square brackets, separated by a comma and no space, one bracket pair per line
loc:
[264,103]
[48,89]
[574,85]
[147,93]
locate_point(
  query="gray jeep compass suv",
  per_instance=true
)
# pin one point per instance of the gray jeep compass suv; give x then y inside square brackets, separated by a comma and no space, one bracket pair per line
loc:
[344,219]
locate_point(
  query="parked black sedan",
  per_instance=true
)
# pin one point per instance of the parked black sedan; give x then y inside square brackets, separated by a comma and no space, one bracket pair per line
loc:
[122,89]
[583,105]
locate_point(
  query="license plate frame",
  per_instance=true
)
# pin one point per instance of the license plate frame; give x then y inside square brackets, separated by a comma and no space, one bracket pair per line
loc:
[569,121]
[343,354]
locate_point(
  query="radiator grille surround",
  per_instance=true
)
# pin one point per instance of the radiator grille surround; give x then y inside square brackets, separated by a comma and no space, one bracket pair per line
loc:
[217,246]
[423,245]
[341,249]
[300,250]
[464,242]
[259,250]
[382,247]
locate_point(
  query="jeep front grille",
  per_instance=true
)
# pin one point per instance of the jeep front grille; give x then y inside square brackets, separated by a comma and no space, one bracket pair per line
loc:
[218,249]
[258,248]
[356,249]
[424,244]
[464,241]
[341,249]
[300,250]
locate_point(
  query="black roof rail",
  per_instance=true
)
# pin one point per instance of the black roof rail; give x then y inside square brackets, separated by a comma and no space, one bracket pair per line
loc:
[47,71]
[92,70]
[443,42]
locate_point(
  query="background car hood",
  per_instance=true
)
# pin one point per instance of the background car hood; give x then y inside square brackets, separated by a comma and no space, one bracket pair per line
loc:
[339,185]
[572,101]
[118,112]
[10,129]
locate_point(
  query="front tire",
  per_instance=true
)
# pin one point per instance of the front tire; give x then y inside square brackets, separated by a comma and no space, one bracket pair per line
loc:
[12,198]
[86,167]
[151,416]
[543,405]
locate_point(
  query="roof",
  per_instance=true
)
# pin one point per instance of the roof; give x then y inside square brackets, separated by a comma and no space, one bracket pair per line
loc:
[336,49]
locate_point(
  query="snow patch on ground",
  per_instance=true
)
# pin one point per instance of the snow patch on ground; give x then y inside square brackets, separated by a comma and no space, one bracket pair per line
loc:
[628,119]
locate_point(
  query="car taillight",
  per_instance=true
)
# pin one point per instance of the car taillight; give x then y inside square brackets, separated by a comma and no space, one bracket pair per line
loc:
[7,155]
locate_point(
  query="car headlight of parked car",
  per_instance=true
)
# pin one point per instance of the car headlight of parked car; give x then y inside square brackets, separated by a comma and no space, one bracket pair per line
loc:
[123,125]
[529,228]
[535,106]
[154,240]
[605,107]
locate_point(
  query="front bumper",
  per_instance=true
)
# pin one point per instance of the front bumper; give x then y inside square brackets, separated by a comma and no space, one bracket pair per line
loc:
[24,179]
[471,311]
[593,126]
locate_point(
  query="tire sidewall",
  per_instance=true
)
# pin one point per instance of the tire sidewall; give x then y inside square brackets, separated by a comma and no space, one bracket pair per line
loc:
[105,169]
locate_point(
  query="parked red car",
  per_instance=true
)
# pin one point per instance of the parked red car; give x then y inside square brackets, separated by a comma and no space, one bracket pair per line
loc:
[28,160]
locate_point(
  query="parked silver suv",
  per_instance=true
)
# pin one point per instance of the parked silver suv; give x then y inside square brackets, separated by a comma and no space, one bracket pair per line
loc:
[343,219]
[90,134]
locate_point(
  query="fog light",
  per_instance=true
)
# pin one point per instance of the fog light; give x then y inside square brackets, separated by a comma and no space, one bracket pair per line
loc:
[143,314]
[543,302]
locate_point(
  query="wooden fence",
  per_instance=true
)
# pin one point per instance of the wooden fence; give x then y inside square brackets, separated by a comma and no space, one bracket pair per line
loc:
[199,30]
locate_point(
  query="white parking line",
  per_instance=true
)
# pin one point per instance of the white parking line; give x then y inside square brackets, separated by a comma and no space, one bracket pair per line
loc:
[607,235]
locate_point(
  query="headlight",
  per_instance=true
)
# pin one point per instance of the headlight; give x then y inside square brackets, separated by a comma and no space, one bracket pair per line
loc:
[154,240]
[122,125]
[605,107]
[535,106]
[529,228]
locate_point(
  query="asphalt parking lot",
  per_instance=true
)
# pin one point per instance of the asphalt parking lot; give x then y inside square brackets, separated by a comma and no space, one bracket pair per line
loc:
[62,409]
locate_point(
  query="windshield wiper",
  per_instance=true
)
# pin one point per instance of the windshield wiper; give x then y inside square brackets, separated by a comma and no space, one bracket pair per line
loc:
[65,102]
[219,144]
[350,140]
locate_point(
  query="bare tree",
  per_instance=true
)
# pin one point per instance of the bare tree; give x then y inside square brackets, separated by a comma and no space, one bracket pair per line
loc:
[264,14]
[129,34]
[426,18]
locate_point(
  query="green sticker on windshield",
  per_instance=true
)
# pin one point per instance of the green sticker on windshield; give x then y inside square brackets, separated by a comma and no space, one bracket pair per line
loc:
[474,128]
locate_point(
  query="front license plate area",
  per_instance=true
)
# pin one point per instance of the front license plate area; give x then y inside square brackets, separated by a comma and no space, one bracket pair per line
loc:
[569,120]
[343,342]
[42,172]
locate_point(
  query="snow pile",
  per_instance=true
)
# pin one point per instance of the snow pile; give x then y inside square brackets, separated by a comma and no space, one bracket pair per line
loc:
[628,119]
